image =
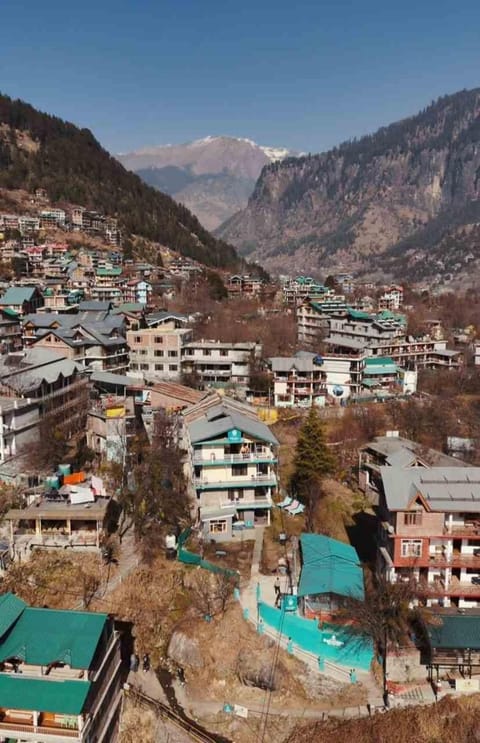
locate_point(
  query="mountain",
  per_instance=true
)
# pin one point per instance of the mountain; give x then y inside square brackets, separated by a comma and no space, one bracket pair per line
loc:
[213,176]
[404,201]
[42,151]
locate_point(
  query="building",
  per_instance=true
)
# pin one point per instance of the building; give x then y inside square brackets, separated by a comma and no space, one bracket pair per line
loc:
[22,299]
[19,420]
[110,424]
[231,466]
[331,571]
[430,532]
[391,299]
[70,518]
[453,645]
[137,291]
[393,450]
[220,364]
[295,291]
[156,353]
[52,218]
[298,381]
[10,331]
[61,674]
[96,347]
[54,383]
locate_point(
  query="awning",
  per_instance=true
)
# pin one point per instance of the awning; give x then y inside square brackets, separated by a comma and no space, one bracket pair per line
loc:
[210,514]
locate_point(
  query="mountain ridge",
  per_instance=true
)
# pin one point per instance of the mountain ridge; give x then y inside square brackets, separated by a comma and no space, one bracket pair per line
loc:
[39,150]
[213,176]
[354,206]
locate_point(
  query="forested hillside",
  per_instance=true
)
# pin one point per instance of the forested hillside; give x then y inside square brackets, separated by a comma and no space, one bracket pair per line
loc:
[42,151]
[404,199]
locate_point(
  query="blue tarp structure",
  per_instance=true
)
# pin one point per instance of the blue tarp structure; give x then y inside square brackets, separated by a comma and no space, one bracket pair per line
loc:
[329,566]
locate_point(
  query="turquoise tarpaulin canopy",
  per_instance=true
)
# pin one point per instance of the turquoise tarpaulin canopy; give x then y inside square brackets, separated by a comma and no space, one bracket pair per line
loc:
[329,566]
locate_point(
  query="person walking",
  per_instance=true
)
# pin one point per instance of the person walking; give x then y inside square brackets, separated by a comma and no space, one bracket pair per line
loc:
[276,586]
[146,662]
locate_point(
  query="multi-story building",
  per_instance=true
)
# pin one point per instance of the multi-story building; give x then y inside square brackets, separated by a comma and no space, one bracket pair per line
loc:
[137,290]
[52,217]
[22,299]
[313,316]
[307,378]
[10,331]
[430,532]
[19,420]
[220,364]
[391,299]
[61,674]
[110,425]
[156,353]
[295,291]
[28,224]
[55,383]
[231,466]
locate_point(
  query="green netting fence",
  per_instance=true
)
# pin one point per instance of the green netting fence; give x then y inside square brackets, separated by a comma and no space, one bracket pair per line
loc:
[191,558]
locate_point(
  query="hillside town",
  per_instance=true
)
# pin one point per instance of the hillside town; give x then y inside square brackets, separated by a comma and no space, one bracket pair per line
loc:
[183,457]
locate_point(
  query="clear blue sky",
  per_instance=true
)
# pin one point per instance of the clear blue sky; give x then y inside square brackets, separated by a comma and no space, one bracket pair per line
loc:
[306,74]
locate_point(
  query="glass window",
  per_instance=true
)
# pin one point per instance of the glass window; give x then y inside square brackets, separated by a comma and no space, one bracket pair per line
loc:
[159,339]
[218,527]
[158,367]
[173,354]
[173,367]
[411,547]
[158,353]
[137,339]
[414,518]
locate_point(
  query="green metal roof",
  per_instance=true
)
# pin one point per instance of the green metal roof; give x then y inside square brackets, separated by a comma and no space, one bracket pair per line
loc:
[380,365]
[108,271]
[10,609]
[43,636]
[42,694]
[8,311]
[456,631]
[329,566]
[17,295]
[369,382]
[359,314]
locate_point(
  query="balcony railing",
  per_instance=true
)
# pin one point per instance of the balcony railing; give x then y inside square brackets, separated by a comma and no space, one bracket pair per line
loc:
[39,729]
[244,503]
[241,481]
[263,454]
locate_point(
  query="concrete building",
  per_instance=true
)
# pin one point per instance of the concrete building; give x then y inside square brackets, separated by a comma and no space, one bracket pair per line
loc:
[220,364]
[231,466]
[19,420]
[61,674]
[430,531]
[156,353]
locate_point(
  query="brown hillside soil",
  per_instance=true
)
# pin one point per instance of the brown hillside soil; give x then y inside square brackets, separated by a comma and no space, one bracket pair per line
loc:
[450,720]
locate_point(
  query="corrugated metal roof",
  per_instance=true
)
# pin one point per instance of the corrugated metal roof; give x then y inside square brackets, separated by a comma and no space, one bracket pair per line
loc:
[329,566]
[456,631]
[11,607]
[43,694]
[109,378]
[17,295]
[203,429]
[43,636]
[445,489]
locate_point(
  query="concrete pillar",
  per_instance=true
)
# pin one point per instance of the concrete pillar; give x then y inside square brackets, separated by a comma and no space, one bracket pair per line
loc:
[69,526]
[38,527]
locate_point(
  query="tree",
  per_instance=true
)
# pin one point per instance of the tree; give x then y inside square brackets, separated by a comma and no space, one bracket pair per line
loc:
[152,493]
[385,615]
[312,462]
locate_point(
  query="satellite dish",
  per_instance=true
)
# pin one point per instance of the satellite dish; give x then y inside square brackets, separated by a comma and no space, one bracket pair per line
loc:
[338,390]
[318,360]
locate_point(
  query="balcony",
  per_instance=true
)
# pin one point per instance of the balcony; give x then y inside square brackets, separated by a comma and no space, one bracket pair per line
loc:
[454,588]
[217,459]
[246,503]
[12,727]
[237,482]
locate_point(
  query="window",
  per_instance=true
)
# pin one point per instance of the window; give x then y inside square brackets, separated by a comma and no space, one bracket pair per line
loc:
[158,353]
[223,352]
[137,339]
[158,367]
[144,367]
[239,470]
[143,352]
[411,547]
[413,518]
[207,352]
[159,339]
[218,526]
[173,367]
[173,354]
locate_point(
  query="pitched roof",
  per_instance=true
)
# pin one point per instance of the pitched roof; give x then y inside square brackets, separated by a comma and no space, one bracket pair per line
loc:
[44,636]
[43,695]
[221,419]
[10,609]
[17,295]
[456,631]
[444,489]
[387,446]
[329,566]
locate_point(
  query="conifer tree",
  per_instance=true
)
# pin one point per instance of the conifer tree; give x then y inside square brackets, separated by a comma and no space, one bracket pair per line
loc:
[312,462]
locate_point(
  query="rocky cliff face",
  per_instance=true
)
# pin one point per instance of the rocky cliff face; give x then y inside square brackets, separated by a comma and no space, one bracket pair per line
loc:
[213,176]
[385,201]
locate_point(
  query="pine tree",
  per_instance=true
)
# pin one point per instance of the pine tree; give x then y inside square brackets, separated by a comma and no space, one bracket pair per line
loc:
[313,460]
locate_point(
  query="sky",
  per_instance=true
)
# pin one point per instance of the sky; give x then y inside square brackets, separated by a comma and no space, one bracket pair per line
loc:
[304,74]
